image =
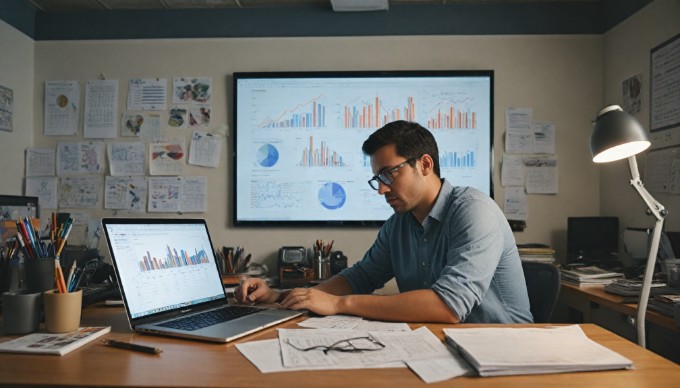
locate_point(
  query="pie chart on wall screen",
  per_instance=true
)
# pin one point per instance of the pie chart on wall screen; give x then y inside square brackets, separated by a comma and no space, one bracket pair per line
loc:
[267,155]
[332,196]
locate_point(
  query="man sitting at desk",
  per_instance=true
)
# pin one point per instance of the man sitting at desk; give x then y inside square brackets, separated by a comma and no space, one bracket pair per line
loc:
[450,249]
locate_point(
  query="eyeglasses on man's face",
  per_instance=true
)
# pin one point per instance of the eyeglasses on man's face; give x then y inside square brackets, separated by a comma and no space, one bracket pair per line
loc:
[353,345]
[387,177]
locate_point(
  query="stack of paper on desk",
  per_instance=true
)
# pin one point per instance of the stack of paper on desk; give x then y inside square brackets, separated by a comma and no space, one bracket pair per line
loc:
[516,351]
[584,276]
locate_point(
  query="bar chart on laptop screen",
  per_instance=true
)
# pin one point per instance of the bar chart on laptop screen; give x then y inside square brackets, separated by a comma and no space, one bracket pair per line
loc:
[165,268]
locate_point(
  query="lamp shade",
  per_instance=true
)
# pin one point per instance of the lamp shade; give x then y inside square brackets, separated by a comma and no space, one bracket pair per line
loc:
[616,135]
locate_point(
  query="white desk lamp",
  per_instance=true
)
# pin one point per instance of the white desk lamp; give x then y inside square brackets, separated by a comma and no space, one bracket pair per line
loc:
[617,135]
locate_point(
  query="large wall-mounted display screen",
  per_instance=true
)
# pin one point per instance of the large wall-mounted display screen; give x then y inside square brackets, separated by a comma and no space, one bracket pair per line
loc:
[298,137]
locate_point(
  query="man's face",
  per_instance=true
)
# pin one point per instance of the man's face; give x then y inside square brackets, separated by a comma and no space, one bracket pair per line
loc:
[405,191]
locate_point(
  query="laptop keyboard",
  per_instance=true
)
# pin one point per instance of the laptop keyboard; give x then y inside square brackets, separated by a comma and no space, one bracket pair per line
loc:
[209,318]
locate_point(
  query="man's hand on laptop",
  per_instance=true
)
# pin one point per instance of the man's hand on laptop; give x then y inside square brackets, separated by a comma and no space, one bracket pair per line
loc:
[255,290]
[311,299]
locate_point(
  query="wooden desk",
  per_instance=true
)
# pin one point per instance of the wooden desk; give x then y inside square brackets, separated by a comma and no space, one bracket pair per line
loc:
[594,305]
[596,294]
[191,363]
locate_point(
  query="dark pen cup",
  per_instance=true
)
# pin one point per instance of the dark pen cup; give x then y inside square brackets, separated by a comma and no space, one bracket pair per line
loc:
[39,274]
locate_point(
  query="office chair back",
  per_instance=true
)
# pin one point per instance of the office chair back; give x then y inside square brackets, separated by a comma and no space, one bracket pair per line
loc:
[543,287]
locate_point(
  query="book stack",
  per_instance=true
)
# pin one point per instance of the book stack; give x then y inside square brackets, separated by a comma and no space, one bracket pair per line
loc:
[629,287]
[664,304]
[538,254]
[589,276]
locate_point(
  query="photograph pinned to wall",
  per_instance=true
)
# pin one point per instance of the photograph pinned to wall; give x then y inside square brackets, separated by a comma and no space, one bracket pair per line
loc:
[178,117]
[80,157]
[187,90]
[45,188]
[147,94]
[199,116]
[125,193]
[140,124]
[79,192]
[62,107]
[632,94]
[166,158]
[6,106]
[41,161]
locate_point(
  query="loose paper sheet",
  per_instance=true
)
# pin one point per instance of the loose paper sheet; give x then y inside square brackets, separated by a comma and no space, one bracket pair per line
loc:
[62,105]
[126,158]
[205,149]
[518,132]
[516,206]
[166,158]
[147,94]
[101,109]
[80,157]
[541,174]
[125,193]
[512,170]
[45,188]
[79,191]
[40,161]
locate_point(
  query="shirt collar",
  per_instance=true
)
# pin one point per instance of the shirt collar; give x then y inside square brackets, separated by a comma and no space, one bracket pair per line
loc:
[438,211]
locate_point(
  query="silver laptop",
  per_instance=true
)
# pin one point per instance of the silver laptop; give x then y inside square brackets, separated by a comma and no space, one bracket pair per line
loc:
[171,285]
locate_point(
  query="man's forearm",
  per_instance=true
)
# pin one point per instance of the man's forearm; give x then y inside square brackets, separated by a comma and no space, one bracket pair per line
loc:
[336,285]
[412,306]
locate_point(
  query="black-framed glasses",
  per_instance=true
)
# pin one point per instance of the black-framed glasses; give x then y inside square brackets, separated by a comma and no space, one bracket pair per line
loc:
[387,177]
[350,345]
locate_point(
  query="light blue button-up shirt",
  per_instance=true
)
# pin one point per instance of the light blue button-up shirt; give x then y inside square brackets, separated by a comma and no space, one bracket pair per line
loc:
[464,251]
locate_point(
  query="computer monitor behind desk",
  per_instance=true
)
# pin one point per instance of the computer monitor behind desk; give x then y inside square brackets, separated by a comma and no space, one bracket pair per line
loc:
[593,241]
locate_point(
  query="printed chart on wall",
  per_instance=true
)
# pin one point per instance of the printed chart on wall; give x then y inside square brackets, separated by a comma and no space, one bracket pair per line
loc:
[300,141]
[664,116]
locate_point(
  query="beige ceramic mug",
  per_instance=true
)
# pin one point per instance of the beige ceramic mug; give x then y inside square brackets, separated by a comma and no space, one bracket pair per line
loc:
[62,311]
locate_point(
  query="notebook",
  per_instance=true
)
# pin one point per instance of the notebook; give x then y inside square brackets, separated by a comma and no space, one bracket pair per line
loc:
[170,282]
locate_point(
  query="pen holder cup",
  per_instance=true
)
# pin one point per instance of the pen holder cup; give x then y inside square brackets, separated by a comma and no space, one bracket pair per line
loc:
[62,311]
[39,274]
[21,312]
[322,264]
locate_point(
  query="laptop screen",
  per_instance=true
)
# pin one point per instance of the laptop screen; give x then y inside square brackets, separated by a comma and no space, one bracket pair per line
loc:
[163,265]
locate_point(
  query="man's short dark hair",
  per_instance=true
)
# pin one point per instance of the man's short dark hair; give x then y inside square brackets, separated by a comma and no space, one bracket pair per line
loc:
[411,140]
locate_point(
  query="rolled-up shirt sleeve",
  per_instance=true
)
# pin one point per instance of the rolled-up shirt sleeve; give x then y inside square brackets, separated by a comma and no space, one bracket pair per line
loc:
[475,247]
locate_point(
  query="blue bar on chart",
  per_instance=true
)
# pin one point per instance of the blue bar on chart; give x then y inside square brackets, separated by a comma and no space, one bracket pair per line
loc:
[458,160]
[173,259]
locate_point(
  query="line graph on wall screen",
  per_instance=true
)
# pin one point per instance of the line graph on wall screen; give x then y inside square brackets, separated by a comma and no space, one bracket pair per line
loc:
[308,114]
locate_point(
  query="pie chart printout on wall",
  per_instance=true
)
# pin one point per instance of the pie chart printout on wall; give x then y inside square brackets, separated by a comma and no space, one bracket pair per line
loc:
[332,196]
[267,155]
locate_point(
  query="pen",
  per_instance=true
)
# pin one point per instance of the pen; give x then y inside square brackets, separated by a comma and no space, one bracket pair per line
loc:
[129,346]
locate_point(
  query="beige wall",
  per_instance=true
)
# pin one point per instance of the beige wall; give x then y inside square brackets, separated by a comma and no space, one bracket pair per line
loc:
[560,77]
[16,73]
[626,53]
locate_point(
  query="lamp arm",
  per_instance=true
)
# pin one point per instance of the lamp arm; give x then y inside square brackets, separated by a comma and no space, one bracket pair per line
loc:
[659,212]
[653,206]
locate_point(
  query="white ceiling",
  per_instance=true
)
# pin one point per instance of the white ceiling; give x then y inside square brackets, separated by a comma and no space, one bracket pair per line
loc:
[103,5]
